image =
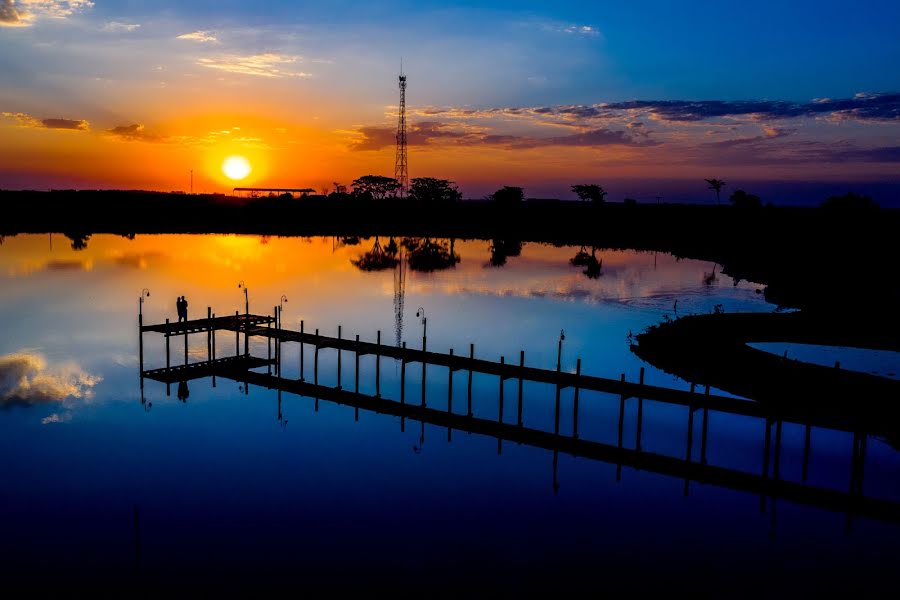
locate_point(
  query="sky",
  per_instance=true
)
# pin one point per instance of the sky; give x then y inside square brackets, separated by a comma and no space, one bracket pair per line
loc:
[789,99]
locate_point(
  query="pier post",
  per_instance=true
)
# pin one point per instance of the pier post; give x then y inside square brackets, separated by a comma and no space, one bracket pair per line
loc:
[301,349]
[168,365]
[766,450]
[209,334]
[450,385]
[556,412]
[316,361]
[247,335]
[378,367]
[703,433]
[403,377]
[469,387]
[213,331]
[339,359]
[278,341]
[185,344]
[502,379]
[621,425]
[521,368]
[141,344]
[269,345]
[357,365]
[640,412]
[575,403]
[237,334]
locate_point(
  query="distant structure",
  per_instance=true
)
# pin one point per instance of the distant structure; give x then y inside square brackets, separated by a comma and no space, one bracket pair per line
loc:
[401,170]
[259,192]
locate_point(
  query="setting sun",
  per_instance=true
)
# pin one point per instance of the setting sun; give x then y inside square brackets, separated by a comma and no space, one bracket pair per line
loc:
[236,167]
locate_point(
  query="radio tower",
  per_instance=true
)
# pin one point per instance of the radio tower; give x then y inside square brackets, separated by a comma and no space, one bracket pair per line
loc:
[401,171]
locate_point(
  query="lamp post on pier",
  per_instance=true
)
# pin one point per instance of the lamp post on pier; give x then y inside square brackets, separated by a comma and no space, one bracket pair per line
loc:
[562,337]
[421,313]
[242,285]
[281,302]
[144,293]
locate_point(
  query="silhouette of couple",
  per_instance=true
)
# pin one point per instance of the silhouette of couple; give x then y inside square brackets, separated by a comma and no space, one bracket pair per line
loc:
[182,305]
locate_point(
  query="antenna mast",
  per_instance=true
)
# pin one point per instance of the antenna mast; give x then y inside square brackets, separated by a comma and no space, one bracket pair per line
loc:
[401,170]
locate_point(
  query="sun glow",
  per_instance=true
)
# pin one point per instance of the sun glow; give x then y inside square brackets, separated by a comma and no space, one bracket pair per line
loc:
[236,167]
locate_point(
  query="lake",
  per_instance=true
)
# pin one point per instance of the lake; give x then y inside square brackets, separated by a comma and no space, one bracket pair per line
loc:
[109,481]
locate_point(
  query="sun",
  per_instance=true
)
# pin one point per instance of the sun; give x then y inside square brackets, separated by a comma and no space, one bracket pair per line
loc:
[236,167]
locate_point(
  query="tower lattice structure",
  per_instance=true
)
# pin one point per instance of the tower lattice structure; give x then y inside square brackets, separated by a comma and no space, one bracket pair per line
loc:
[401,169]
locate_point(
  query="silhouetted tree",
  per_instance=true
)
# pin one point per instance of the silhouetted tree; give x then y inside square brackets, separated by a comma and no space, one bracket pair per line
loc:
[850,202]
[79,240]
[503,249]
[429,189]
[508,195]
[743,200]
[339,188]
[717,185]
[430,256]
[375,187]
[377,259]
[590,191]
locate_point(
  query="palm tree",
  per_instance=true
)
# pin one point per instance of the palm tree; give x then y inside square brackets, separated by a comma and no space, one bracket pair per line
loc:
[717,185]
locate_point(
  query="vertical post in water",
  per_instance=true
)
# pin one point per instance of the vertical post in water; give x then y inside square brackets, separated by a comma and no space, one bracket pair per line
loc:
[214,350]
[469,388]
[141,344]
[237,334]
[316,360]
[269,345]
[209,334]
[502,379]
[450,384]
[403,376]
[339,358]
[378,367]
[185,343]
[766,449]
[705,429]
[575,403]
[621,424]
[357,366]
[301,349]
[640,412]
[168,365]
[521,369]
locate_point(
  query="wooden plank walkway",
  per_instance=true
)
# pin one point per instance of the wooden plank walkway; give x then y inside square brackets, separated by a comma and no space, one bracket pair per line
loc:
[232,367]
[780,409]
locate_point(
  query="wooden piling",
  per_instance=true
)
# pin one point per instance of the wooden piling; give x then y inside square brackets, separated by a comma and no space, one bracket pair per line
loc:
[500,404]
[339,360]
[403,378]
[316,363]
[168,364]
[356,387]
[575,402]
[469,386]
[519,407]
[301,349]
[378,367]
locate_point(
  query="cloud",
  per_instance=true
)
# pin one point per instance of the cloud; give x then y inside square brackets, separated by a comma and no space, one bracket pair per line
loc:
[585,30]
[23,13]
[134,133]
[27,380]
[861,107]
[120,27]
[198,36]
[435,132]
[26,120]
[269,64]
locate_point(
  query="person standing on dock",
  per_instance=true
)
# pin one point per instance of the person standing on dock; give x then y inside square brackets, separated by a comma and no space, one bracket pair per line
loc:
[184,307]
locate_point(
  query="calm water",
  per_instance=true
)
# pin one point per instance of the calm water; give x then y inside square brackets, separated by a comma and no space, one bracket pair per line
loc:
[229,488]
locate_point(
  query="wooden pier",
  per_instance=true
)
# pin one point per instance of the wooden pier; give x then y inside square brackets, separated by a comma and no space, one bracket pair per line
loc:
[767,484]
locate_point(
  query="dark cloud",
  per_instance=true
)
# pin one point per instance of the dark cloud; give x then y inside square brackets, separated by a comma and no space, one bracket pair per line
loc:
[134,133]
[78,125]
[419,134]
[431,132]
[862,107]
[591,138]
